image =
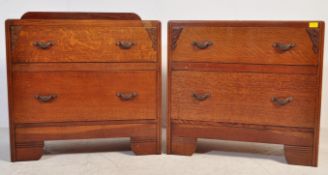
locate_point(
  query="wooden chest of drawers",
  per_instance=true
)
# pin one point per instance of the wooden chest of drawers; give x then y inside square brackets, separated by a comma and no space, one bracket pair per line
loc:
[80,76]
[245,81]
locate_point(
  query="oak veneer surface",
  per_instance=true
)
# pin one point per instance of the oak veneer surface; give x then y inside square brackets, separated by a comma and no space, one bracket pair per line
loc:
[244,98]
[80,76]
[83,96]
[80,15]
[82,44]
[257,81]
[251,45]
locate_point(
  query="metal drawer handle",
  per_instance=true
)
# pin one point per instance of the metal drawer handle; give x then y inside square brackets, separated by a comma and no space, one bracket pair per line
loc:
[125,44]
[45,98]
[126,95]
[281,101]
[43,45]
[202,45]
[200,97]
[283,47]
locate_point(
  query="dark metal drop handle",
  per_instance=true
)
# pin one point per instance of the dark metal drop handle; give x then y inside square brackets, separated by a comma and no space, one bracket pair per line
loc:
[43,45]
[126,95]
[201,97]
[45,98]
[125,44]
[202,45]
[283,47]
[281,101]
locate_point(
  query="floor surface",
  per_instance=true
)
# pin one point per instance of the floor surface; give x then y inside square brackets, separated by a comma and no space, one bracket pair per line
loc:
[113,157]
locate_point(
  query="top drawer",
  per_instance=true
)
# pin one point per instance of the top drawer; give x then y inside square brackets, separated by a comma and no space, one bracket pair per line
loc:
[282,45]
[83,43]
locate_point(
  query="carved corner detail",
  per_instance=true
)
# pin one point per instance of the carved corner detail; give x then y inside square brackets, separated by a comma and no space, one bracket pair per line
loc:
[14,32]
[152,32]
[176,31]
[314,35]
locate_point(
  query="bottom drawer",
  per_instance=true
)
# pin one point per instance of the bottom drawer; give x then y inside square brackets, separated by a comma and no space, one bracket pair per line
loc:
[83,96]
[249,98]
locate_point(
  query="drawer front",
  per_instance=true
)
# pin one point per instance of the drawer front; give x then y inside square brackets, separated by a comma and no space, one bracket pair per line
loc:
[83,96]
[253,45]
[246,98]
[82,44]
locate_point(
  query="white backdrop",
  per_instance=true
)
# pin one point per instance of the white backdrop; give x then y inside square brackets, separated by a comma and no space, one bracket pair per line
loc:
[165,10]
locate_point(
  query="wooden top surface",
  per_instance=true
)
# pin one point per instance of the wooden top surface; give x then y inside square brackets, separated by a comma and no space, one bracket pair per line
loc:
[80,15]
[229,23]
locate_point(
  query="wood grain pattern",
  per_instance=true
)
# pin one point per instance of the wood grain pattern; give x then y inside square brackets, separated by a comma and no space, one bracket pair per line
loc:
[83,85]
[243,132]
[144,145]
[159,89]
[241,23]
[80,15]
[299,155]
[94,97]
[84,22]
[245,45]
[319,96]
[212,67]
[185,134]
[29,150]
[233,70]
[169,89]
[85,67]
[244,98]
[9,87]
[87,130]
[28,135]
[183,145]
[82,44]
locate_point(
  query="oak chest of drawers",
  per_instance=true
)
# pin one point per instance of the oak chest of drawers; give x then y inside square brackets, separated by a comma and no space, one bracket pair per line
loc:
[245,81]
[80,76]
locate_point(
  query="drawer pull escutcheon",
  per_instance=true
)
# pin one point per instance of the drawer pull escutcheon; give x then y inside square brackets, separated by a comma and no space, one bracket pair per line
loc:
[45,98]
[43,45]
[126,95]
[281,101]
[125,44]
[283,47]
[202,45]
[201,97]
